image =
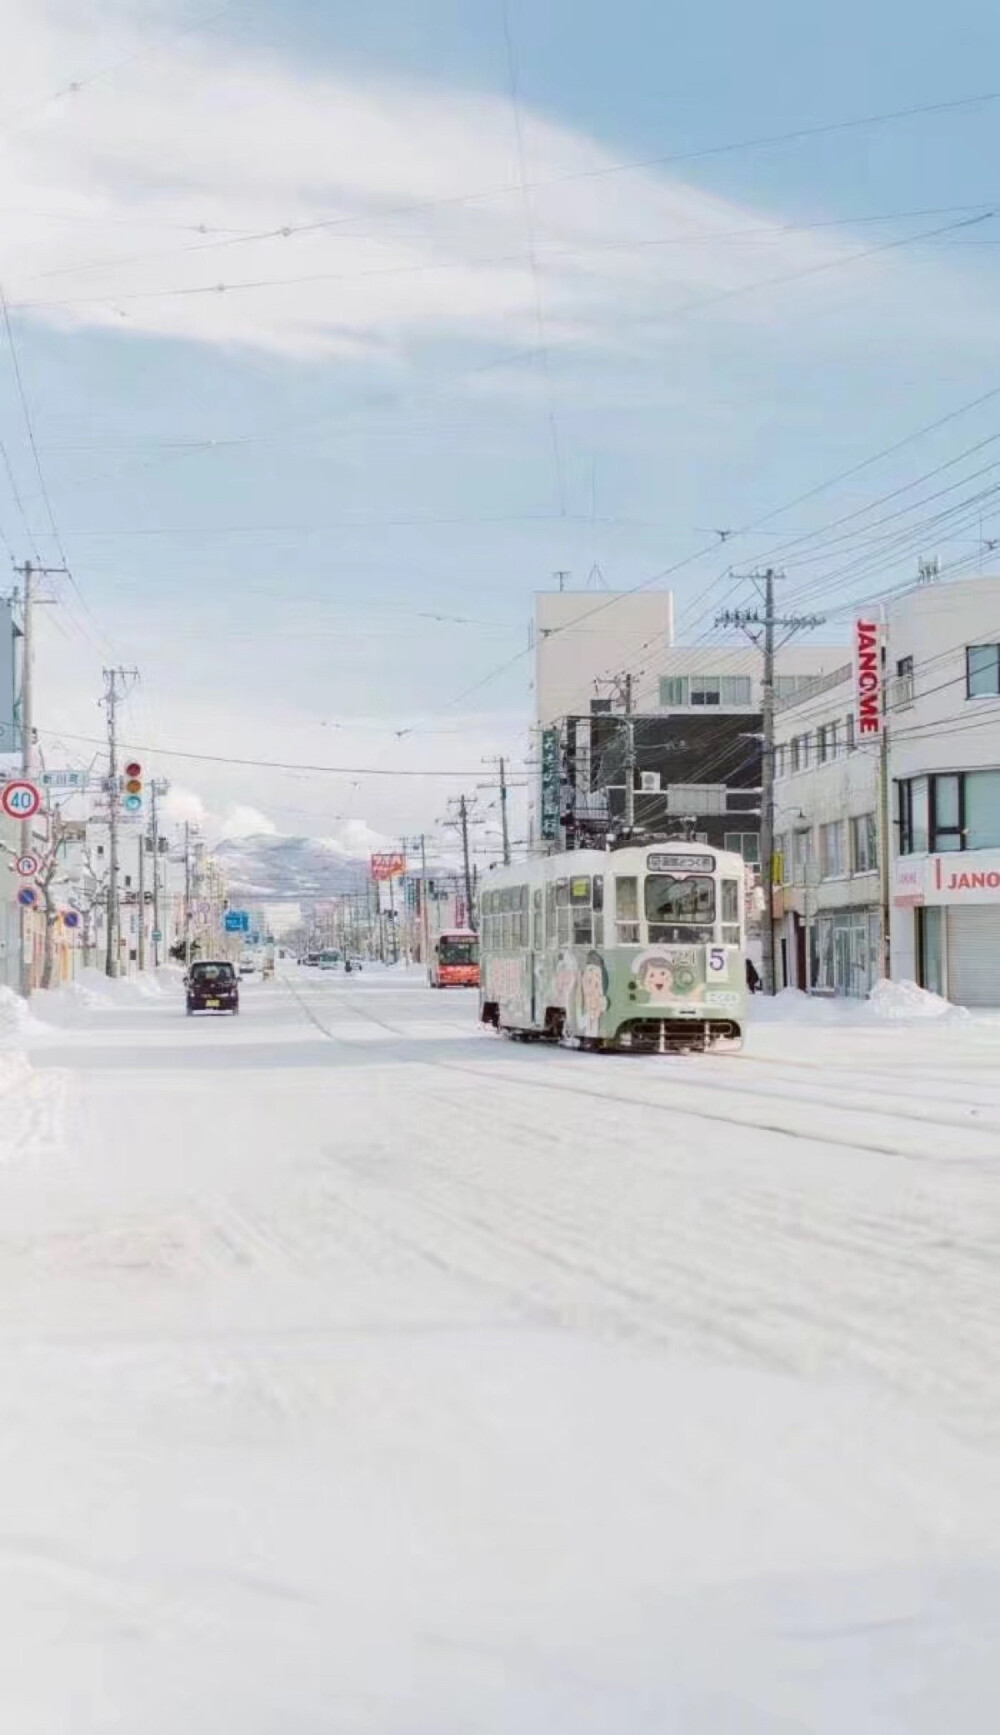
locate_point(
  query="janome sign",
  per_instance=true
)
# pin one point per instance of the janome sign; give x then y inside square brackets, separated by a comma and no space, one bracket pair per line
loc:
[967,877]
[868,676]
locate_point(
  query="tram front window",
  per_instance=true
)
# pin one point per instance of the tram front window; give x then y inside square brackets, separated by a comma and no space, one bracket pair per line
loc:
[680,909]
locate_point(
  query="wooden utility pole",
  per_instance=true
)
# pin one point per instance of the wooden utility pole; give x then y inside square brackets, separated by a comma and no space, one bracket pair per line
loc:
[759,628]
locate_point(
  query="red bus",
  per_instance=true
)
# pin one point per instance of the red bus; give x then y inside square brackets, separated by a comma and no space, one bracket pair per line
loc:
[454,960]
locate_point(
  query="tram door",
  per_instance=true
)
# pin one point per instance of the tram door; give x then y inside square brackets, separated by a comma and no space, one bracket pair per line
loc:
[536,955]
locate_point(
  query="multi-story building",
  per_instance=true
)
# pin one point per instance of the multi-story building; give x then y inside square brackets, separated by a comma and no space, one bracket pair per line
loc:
[940,891]
[943,658]
[696,729]
[827,888]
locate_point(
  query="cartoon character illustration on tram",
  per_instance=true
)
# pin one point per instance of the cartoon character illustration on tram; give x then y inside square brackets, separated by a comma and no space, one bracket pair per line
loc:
[592,995]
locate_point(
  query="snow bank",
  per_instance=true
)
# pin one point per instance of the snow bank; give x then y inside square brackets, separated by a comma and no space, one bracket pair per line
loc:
[905,1000]
[16,1018]
[894,1002]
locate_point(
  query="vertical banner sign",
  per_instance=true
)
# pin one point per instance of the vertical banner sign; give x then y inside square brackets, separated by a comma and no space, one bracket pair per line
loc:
[388,866]
[868,676]
[550,785]
[10,733]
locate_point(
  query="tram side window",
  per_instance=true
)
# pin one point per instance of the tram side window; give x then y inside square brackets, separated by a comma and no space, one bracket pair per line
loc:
[627,910]
[731,912]
[523,935]
[562,912]
[598,910]
[505,920]
[583,921]
[550,913]
[538,936]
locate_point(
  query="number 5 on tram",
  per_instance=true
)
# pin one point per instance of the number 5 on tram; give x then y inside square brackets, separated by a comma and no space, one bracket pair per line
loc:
[639,948]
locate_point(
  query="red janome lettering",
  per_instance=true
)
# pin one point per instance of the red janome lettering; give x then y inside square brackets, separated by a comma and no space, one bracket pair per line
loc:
[869,678]
[975,881]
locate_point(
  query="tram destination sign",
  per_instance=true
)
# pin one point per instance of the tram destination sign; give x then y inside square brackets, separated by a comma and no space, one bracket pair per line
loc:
[688,864]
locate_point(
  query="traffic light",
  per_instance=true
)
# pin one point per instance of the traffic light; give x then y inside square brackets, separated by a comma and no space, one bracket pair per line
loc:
[133,787]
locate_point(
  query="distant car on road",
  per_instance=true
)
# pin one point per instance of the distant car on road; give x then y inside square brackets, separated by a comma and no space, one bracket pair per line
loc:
[212,987]
[329,960]
[248,966]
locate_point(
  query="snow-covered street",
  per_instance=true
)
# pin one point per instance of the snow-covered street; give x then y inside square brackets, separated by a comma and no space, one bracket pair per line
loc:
[364,1373]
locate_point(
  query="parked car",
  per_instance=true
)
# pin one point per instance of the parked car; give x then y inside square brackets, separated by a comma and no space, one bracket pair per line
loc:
[212,986]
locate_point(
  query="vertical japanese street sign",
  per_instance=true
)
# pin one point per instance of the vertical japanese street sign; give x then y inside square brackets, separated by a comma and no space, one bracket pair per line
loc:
[550,785]
[868,676]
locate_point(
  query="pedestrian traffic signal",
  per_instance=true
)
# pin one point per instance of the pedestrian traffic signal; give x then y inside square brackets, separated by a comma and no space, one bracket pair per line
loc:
[132,788]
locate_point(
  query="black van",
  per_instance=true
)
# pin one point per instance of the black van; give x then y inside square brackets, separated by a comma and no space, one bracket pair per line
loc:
[212,987]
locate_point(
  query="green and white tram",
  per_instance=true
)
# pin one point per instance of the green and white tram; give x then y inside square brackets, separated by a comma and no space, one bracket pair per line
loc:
[630,948]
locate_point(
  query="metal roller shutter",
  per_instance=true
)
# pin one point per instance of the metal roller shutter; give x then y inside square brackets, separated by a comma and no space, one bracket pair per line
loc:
[974,955]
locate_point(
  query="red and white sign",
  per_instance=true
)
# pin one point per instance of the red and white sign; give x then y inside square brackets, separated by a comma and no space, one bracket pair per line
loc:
[27,866]
[868,676]
[388,866]
[20,799]
[962,877]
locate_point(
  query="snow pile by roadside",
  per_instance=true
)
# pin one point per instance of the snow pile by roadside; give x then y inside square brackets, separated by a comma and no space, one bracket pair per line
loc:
[905,1000]
[16,1018]
[894,1002]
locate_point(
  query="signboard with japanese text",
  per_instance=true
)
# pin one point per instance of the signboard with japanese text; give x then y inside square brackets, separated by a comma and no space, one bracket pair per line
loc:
[550,785]
[388,865]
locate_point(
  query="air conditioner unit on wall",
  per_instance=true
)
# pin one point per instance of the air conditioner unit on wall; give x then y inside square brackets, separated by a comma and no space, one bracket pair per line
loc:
[649,782]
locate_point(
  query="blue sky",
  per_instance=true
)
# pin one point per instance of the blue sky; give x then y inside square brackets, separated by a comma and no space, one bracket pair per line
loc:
[442,387]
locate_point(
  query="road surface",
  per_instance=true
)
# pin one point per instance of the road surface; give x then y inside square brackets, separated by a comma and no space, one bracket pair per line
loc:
[363,1373]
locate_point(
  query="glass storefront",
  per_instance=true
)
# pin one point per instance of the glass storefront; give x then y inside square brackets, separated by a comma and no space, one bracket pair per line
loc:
[845,952]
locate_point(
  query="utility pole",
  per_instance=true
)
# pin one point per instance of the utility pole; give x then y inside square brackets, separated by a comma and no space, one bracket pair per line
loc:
[29,600]
[116,683]
[155,791]
[187,894]
[141,877]
[463,820]
[504,788]
[760,630]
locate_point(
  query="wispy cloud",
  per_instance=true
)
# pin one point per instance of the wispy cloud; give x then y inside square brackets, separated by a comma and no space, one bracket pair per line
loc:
[385,212]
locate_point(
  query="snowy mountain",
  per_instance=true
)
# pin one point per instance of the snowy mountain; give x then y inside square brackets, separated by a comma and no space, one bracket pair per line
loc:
[298,868]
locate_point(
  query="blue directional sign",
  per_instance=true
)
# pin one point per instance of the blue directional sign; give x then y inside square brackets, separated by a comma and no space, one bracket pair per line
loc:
[237,922]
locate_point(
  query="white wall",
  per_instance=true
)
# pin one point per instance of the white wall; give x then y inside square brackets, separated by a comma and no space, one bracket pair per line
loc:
[574,645]
[841,788]
[934,624]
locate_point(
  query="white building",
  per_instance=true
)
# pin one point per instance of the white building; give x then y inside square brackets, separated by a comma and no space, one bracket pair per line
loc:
[944,664]
[941,666]
[582,637]
[827,892]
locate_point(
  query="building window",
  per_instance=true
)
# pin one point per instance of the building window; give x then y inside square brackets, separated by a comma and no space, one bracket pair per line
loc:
[673,691]
[864,844]
[849,742]
[946,813]
[801,856]
[826,742]
[786,686]
[982,671]
[737,690]
[982,809]
[744,843]
[800,752]
[706,690]
[831,850]
[957,810]
[903,690]
[684,799]
[832,731]
[780,757]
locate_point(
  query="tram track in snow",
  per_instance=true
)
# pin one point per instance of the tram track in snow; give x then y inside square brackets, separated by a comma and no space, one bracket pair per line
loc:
[499,1073]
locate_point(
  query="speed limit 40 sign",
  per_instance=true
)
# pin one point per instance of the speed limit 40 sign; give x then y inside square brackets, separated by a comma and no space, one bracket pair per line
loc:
[20,799]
